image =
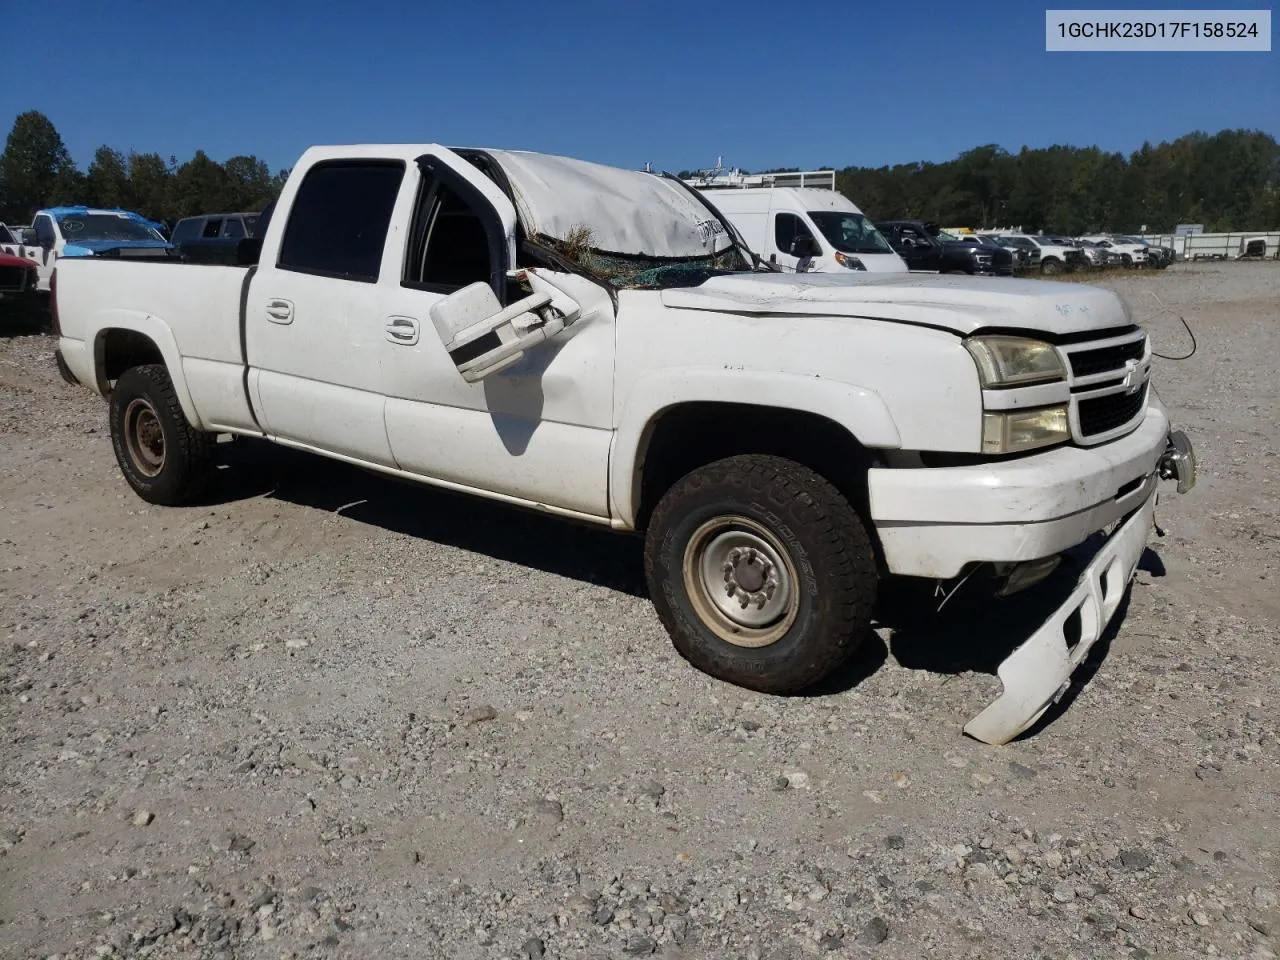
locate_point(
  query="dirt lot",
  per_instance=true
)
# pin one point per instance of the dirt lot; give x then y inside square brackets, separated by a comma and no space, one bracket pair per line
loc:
[332,715]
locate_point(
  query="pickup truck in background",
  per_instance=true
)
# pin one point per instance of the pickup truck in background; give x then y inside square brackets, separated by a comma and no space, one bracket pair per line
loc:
[927,248]
[19,278]
[1132,253]
[601,344]
[1054,255]
[58,232]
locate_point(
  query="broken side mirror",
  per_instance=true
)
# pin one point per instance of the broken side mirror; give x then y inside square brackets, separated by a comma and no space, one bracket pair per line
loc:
[483,337]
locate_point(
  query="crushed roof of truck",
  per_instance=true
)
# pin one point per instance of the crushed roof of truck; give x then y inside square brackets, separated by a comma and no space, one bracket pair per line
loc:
[624,212]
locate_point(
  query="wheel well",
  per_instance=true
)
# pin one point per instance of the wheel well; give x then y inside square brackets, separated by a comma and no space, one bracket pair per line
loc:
[118,350]
[691,435]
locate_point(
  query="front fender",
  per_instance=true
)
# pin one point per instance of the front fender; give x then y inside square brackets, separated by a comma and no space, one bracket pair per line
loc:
[860,411]
[159,333]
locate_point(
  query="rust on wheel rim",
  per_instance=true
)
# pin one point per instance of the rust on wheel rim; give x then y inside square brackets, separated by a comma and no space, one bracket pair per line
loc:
[144,437]
[741,581]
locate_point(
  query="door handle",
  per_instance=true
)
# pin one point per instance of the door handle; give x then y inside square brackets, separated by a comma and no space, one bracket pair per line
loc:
[402,330]
[280,311]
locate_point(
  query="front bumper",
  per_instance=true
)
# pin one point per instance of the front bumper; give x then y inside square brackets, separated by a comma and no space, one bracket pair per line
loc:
[934,522]
[1039,671]
[1056,494]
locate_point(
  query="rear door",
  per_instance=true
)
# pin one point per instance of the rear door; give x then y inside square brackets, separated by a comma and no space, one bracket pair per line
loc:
[314,315]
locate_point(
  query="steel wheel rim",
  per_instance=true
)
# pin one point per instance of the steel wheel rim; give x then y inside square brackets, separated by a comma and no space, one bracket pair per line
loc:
[732,559]
[144,437]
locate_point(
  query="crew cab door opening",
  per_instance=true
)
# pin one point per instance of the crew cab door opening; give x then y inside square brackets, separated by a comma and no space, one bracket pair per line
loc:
[534,425]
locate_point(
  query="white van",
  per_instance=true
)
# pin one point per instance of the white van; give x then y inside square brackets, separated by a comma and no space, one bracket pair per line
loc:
[770,219]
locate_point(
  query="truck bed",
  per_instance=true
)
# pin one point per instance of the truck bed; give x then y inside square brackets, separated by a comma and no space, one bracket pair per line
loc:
[198,304]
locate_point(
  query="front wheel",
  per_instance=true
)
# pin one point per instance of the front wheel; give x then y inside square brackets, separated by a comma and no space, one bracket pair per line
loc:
[1050,267]
[165,459]
[761,572]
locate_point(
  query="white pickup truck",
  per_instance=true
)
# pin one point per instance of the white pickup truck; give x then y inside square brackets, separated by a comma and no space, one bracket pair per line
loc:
[600,343]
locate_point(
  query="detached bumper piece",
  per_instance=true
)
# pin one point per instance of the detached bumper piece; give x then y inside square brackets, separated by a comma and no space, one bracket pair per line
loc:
[1039,671]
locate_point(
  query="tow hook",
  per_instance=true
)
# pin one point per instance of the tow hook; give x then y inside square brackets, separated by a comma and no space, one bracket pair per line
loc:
[1178,461]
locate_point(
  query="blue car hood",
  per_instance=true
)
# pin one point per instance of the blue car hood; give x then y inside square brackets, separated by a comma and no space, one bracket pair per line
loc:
[87,248]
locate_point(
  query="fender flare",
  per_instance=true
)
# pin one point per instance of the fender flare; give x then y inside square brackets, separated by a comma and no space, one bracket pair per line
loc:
[156,330]
[860,411]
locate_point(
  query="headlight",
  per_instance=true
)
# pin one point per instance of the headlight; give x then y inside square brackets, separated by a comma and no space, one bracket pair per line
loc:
[853,263]
[1011,431]
[1014,361]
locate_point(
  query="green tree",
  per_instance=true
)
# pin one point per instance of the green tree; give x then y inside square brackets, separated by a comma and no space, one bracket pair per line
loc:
[107,183]
[35,168]
[249,185]
[149,181]
[199,186]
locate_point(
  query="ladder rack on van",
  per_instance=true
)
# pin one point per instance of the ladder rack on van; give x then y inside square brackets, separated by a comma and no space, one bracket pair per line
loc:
[720,179]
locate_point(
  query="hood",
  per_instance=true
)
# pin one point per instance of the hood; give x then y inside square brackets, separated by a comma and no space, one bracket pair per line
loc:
[7,260]
[961,304]
[87,248]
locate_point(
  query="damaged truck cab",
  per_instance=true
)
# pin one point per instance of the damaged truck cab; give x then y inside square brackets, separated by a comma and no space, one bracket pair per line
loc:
[601,344]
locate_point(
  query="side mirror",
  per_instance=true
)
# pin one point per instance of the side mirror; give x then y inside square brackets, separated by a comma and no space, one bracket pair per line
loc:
[805,246]
[483,337]
[29,238]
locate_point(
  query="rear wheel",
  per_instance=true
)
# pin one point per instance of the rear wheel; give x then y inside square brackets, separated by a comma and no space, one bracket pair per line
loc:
[761,571]
[165,459]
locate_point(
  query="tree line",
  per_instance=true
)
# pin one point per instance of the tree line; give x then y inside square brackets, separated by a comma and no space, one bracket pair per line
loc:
[1227,181]
[36,170]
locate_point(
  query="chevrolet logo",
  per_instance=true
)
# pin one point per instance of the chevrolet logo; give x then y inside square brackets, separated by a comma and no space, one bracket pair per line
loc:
[1134,377]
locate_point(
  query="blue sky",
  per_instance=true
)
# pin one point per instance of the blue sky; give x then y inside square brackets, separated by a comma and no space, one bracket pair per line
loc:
[678,84]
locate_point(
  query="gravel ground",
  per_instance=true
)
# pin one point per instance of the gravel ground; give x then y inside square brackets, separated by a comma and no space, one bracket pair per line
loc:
[331,715]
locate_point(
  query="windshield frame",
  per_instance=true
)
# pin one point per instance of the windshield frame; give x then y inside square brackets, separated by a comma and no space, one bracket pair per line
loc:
[838,242]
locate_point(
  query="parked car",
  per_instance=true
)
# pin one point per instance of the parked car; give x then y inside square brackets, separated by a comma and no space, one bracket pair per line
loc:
[1099,257]
[1157,256]
[1131,253]
[1021,258]
[19,279]
[1028,252]
[1053,256]
[602,344]
[927,248]
[773,219]
[213,237]
[59,232]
